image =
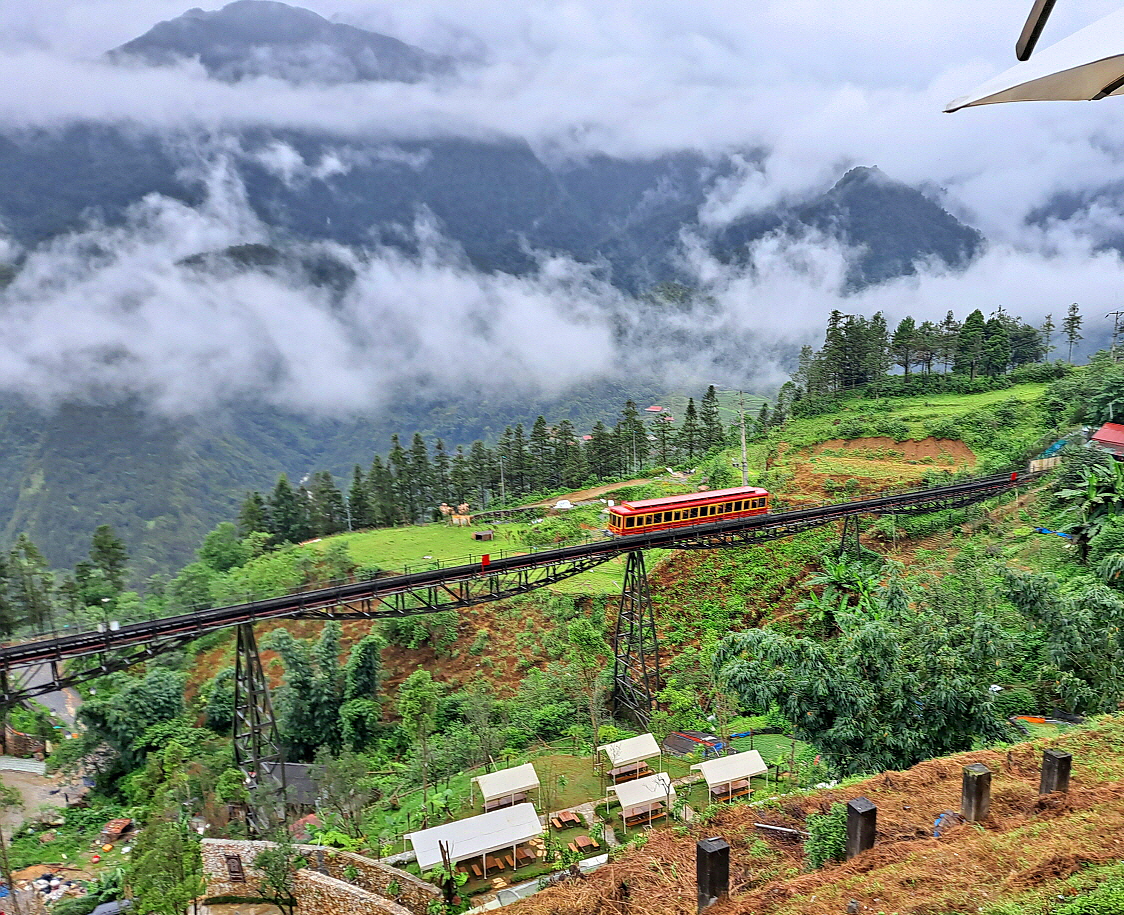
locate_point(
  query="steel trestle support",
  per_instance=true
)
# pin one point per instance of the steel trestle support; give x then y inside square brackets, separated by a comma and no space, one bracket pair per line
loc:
[636,650]
[257,744]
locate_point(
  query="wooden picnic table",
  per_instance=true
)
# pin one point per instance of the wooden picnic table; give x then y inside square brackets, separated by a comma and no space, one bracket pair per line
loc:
[737,789]
[564,819]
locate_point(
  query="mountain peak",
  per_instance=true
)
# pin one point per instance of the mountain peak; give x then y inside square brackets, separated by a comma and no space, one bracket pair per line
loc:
[250,38]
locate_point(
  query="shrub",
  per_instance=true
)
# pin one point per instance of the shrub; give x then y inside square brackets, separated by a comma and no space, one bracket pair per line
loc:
[1016,701]
[1104,900]
[827,836]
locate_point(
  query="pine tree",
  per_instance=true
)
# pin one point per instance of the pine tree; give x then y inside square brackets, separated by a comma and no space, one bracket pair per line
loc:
[1048,329]
[253,516]
[542,471]
[970,344]
[405,496]
[480,463]
[442,473]
[1071,326]
[288,517]
[601,453]
[572,470]
[327,513]
[903,344]
[421,477]
[664,434]
[690,435]
[382,495]
[928,345]
[358,502]
[7,614]
[949,340]
[108,553]
[460,478]
[712,431]
[632,439]
[996,347]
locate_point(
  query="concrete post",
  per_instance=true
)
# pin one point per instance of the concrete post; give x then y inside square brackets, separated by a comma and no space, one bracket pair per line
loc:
[1055,771]
[712,868]
[862,824]
[975,793]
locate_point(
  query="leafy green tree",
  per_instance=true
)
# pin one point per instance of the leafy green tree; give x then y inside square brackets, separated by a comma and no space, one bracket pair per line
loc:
[585,657]
[192,589]
[949,340]
[887,693]
[418,700]
[346,789]
[1084,633]
[220,701]
[310,697]
[30,584]
[997,346]
[1048,328]
[223,549]
[122,718]
[166,868]
[108,553]
[276,867]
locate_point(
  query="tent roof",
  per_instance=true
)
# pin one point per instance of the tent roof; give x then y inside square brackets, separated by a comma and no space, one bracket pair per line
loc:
[1076,68]
[656,787]
[726,769]
[631,750]
[507,781]
[476,835]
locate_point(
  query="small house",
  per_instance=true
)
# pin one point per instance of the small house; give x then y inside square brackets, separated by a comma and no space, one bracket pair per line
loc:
[1110,438]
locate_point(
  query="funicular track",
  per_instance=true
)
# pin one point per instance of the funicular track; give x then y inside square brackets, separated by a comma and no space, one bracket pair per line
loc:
[38,667]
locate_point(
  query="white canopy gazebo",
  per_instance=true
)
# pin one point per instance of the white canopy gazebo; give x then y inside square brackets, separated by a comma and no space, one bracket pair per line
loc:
[627,756]
[643,800]
[727,776]
[477,837]
[507,787]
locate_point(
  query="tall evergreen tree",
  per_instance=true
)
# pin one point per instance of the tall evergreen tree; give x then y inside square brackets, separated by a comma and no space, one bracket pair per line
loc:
[950,340]
[996,355]
[903,345]
[421,474]
[442,472]
[572,468]
[288,514]
[714,436]
[1048,328]
[542,472]
[382,494]
[601,453]
[405,495]
[253,516]
[460,478]
[664,434]
[359,512]
[327,513]
[690,435]
[1071,327]
[632,440]
[970,344]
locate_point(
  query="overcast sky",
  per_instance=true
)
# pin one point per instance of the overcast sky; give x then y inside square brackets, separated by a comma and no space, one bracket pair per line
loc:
[819,86]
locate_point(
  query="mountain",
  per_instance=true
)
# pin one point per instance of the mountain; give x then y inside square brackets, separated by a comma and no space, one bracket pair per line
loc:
[892,227]
[251,38]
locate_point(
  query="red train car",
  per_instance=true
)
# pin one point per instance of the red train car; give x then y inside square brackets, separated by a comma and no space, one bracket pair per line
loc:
[691,508]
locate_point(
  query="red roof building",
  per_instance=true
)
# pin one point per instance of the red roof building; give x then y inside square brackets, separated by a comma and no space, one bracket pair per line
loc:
[653,409]
[1110,437]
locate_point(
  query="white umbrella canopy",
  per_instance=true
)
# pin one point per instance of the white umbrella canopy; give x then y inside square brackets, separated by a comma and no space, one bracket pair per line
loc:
[1085,66]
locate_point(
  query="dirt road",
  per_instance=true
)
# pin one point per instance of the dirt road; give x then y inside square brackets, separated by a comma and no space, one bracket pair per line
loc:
[584,495]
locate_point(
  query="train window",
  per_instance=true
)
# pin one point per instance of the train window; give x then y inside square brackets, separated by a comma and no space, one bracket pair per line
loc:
[678,516]
[738,506]
[657,518]
[628,522]
[693,513]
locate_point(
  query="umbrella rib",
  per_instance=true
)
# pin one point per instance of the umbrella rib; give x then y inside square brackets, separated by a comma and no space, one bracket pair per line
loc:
[1109,89]
[1032,31]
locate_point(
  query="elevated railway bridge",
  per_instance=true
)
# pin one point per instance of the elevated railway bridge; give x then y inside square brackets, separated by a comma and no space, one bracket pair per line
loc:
[44,665]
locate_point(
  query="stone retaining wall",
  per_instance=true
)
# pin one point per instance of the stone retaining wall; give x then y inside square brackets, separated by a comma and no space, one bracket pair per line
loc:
[16,743]
[387,888]
[320,895]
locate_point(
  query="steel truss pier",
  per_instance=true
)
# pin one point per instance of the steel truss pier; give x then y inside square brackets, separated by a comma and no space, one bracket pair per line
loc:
[636,650]
[258,751]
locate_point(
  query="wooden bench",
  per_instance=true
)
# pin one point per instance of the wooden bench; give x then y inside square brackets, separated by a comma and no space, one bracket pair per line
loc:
[585,843]
[524,856]
[629,772]
[500,803]
[641,816]
[565,819]
[476,869]
[728,793]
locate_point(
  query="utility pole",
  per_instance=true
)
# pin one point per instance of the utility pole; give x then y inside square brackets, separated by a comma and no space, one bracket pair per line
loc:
[1115,315]
[745,459]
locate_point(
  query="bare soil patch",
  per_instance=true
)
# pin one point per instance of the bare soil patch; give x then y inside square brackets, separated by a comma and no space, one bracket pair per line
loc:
[1028,843]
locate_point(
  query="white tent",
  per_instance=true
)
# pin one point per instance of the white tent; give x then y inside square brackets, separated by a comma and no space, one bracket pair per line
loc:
[645,795]
[1085,66]
[726,771]
[632,750]
[475,836]
[507,785]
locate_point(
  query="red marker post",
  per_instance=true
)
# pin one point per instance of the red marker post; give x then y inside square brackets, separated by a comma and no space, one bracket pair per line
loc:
[485,561]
